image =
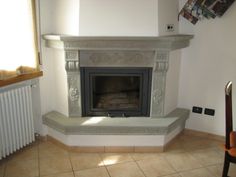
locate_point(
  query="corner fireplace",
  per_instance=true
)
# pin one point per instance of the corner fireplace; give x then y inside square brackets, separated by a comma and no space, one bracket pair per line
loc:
[115,91]
[99,52]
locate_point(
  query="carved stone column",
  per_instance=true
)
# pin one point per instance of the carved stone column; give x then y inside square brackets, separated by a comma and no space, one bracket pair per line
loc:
[161,64]
[73,78]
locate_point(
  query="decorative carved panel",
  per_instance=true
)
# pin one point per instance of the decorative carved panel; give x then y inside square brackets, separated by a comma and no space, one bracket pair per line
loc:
[72,61]
[117,58]
[73,78]
[160,67]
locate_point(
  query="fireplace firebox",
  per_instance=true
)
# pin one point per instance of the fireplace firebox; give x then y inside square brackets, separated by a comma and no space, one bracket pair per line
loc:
[116,92]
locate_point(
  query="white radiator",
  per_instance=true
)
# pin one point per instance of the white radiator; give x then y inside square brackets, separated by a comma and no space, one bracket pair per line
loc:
[16,120]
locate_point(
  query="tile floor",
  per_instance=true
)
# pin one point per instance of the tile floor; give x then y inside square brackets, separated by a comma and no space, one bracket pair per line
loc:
[187,156]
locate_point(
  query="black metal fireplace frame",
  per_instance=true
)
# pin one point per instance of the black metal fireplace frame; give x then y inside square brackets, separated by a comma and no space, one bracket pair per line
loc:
[145,90]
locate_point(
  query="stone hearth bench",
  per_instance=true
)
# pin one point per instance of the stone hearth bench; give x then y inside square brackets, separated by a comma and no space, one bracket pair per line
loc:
[115,126]
[105,131]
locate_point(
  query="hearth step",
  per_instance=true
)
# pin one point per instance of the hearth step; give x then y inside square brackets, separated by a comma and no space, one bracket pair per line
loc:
[116,126]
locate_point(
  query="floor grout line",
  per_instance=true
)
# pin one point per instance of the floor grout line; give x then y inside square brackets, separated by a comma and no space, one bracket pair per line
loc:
[100,155]
[140,169]
[4,170]
[73,171]
[107,171]
[170,164]
[38,158]
[211,172]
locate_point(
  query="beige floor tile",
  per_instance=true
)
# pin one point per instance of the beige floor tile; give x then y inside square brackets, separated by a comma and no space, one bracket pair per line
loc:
[70,174]
[27,153]
[174,175]
[175,147]
[156,167]
[183,161]
[55,165]
[114,158]
[26,168]
[82,161]
[186,156]
[202,172]
[217,170]
[200,144]
[118,149]
[49,150]
[207,156]
[87,149]
[148,149]
[95,172]
[220,150]
[46,145]
[189,138]
[2,167]
[129,169]
[142,156]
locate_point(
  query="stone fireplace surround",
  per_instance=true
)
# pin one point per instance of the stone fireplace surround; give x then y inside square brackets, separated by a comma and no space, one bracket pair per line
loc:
[117,52]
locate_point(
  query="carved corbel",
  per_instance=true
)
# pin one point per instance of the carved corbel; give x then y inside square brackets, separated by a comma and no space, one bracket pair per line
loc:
[72,61]
[161,66]
[161,62]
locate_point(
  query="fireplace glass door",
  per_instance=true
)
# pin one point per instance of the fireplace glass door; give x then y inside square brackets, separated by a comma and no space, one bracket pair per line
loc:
[115,92]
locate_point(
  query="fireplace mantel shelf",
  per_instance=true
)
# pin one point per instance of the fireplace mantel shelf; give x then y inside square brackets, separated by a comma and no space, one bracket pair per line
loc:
[171,42]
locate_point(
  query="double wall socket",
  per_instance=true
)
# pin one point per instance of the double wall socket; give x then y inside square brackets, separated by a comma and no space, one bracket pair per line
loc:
[207,111]
[170,27]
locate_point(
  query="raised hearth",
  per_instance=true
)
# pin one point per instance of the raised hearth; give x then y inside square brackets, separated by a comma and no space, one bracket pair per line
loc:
[97,134]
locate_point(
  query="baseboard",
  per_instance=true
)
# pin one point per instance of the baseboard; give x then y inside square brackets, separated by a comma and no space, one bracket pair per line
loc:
[203,134]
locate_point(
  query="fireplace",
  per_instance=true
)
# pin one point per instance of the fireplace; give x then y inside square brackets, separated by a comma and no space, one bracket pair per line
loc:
[115,91]
[115,53]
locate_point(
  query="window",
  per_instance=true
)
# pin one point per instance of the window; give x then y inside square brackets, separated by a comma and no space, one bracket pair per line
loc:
[18,42]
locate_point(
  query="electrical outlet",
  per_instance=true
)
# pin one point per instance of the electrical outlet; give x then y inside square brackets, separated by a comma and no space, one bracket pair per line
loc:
[170,28]
[210,112]
[197,109]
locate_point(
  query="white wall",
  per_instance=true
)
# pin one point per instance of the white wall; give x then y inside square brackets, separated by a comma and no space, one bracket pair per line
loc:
[102,18]
[119,18]
[60,88]
[47,81]
[206,66]
[172,82]
[65,16]
[58,17]
[168,14]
